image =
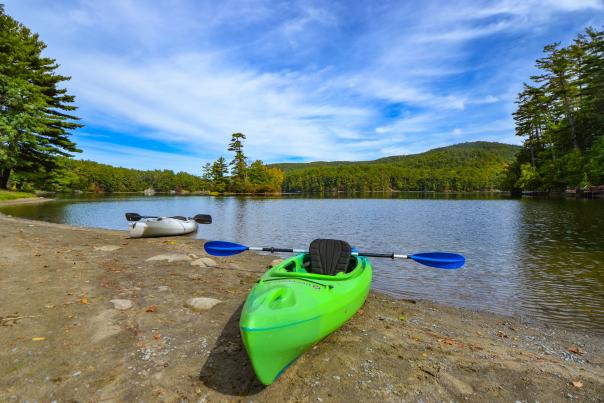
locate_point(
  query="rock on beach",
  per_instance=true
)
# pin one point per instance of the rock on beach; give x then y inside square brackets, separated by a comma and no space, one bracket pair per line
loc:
[121,304]
[202,303]
[170,257]
[204,262]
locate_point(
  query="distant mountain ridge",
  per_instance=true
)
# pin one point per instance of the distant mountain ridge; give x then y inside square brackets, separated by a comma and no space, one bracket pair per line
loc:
[470,166]
[503,151]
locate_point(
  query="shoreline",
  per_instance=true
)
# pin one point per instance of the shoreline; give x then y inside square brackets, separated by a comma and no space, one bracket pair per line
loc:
[28,200]
[59,279]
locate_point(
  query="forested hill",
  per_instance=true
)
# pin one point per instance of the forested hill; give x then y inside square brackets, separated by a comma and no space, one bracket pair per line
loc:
[461,167]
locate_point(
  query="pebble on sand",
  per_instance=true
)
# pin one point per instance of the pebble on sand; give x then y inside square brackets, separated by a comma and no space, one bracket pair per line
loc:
[202,303]
[121,304]
[170,257]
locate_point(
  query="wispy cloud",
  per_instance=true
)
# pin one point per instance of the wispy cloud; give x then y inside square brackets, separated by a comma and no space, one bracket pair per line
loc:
[169,81]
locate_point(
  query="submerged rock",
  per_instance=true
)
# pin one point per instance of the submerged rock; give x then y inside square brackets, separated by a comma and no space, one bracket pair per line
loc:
[202,303]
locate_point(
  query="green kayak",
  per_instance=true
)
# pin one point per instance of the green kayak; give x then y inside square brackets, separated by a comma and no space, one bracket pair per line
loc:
[299,302]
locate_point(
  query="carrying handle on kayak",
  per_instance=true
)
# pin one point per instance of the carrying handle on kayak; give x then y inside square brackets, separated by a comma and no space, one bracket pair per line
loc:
[441,260]
[199,218]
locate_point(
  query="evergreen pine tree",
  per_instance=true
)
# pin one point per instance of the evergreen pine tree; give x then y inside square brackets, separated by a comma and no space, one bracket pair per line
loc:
[35,119]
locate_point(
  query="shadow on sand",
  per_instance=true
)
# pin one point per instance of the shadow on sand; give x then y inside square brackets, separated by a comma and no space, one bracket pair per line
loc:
[228,369]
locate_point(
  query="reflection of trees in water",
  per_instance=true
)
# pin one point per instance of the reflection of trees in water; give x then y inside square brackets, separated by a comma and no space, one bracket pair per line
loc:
[400,195]
[562,260]
[49,211]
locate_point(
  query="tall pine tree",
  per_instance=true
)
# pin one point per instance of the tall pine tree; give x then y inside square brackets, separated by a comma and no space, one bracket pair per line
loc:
[561,118]
[239,163]
[35,112]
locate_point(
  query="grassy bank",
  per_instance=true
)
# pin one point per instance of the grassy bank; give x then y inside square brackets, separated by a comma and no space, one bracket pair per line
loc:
[9,195]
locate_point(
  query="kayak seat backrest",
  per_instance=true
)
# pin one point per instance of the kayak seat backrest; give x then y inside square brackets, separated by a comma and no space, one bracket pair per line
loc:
[329,256]
[352,264]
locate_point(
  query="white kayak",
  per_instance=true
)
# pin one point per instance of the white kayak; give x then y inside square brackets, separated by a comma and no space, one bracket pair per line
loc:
[161,226]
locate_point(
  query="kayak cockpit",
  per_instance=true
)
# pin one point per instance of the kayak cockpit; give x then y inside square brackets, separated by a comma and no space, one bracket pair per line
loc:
[299,267]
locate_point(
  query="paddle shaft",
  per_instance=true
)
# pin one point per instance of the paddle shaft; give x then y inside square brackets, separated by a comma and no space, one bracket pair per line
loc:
[276,250]
[366,254]
[386,255]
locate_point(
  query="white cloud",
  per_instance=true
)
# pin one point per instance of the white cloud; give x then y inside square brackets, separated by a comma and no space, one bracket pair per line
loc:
[303,79]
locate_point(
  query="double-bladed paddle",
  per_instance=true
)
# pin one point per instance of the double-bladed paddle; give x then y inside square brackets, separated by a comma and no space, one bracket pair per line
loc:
[441,260]
[200,218]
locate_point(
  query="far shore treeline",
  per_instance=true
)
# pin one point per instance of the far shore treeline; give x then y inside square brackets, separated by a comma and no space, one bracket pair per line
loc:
[477,166]
[560,116]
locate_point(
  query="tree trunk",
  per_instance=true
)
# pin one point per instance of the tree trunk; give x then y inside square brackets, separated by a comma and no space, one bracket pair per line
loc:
[4,175]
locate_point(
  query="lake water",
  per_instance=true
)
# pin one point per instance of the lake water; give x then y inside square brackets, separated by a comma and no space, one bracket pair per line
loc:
[542,259]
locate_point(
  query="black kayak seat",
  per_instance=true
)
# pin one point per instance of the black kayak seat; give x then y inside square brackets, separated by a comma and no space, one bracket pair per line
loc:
[329,256]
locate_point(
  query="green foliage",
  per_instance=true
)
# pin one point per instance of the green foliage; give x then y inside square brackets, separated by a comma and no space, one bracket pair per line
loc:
[561,118]
[462,167]
[255,178]
[528,176]
[263,179]
[595,165]
[89,176]
[35,119]
[219,179]
[8,195]
[238,164]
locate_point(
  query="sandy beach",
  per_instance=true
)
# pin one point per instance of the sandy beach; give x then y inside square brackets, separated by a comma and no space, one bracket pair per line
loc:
[62,339]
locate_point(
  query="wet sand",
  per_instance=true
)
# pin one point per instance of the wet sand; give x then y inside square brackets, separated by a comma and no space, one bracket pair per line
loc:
[61,339]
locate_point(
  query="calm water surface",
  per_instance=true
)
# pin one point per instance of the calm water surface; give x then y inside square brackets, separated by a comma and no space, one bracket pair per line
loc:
[542,259]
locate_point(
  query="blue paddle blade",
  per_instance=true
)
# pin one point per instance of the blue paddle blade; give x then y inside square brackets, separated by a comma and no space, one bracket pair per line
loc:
[442,260]
[224,248]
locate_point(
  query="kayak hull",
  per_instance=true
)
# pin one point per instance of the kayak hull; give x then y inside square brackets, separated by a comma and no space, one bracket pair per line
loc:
[161,226]
[289,311]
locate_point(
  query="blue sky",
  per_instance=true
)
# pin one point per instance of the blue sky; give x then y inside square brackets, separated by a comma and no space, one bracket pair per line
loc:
[163,84]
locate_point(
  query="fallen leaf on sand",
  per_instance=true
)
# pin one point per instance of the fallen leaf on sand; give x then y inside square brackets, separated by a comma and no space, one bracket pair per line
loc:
[44,338]
[424,355]
[84,301]
[157,336]
[577,384]
[501,334]
[151,308]
[575,350]
[49,306]
[361,312]
[402,318]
